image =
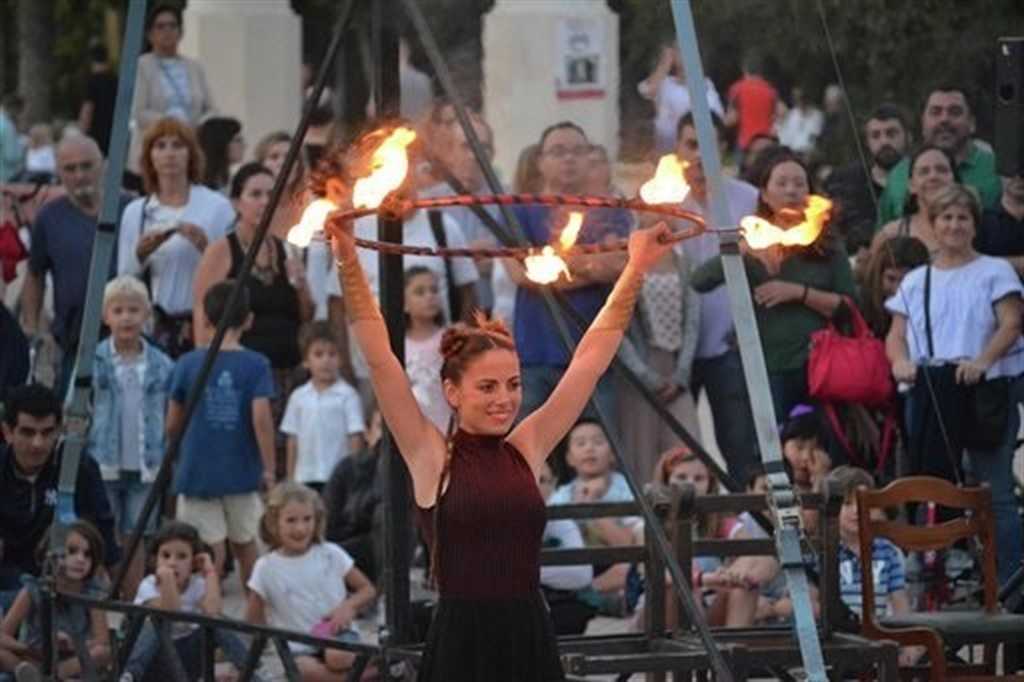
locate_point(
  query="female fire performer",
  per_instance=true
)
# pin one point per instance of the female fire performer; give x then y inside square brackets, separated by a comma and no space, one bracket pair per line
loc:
[476,492]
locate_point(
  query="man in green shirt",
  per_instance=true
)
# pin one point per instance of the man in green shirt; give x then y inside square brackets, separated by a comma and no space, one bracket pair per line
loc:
[946,122]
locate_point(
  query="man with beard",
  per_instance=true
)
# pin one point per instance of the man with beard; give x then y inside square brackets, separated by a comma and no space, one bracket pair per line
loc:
[947,123]
[854,191]
[62,238]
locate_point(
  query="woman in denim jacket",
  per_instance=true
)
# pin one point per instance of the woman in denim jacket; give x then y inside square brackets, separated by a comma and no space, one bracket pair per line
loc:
[130,387]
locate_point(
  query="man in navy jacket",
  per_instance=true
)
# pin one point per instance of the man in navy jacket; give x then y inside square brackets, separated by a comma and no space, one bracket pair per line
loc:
[29,473]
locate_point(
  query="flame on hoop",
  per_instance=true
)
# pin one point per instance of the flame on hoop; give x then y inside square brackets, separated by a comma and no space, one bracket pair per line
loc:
[547,266]
[311,222]
[389,166]
[761,234]
[668,186]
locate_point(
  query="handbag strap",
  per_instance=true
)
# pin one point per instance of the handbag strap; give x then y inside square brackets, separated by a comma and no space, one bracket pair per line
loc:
[437,227]
[928,311]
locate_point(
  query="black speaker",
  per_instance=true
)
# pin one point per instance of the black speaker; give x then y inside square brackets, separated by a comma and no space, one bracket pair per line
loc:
[1010,106]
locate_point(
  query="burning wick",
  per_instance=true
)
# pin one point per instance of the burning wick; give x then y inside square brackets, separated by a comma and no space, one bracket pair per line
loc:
[311,223]
[389,166]
[547,266]
[668,185]
[761,234]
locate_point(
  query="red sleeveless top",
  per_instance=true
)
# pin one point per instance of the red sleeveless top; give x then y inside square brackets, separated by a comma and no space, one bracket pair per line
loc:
[492,519]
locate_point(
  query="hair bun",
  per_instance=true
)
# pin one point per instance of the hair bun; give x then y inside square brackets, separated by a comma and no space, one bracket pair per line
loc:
[454,340]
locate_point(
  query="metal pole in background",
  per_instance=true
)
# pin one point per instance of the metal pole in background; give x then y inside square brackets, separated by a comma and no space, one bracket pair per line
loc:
[785,505]
[397,502]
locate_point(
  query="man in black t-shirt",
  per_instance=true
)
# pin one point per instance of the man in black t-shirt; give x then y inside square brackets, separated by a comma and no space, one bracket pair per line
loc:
[96,117]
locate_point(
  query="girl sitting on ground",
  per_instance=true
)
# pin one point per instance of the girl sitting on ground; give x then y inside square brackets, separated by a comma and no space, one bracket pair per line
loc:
[76,574]
[305,584]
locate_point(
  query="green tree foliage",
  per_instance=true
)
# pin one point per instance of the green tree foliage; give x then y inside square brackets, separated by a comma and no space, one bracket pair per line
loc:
[887,49]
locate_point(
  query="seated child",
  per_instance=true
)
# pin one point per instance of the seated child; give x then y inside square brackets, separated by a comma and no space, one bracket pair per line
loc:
[561,584]
[589,454]
[887,560]
[184,579]
[83,550]
[305,584]
[803,445]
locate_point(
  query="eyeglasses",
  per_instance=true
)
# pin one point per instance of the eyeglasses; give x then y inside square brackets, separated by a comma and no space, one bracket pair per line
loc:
[161,25]
[560,152]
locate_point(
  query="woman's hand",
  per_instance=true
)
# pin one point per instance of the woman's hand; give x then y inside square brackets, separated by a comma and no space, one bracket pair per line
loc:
[905,372]
[776,292]
[195,235]
[970,372]
[648,246]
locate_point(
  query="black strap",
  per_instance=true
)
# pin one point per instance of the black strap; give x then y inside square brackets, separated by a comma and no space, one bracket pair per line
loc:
[454,302]
[927,310]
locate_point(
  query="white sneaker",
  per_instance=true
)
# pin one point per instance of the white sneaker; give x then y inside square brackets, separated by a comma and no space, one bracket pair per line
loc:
[27,672]
[126,677]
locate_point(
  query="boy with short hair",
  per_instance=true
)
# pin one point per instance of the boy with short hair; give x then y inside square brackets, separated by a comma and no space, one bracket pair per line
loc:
[324,417]
[130,389]
[228,448]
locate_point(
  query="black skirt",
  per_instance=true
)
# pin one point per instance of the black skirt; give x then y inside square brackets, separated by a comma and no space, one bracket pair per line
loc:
[491,640]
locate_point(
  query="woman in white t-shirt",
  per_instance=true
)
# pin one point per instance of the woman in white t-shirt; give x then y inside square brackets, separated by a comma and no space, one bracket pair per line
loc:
[967,338]
[164,233]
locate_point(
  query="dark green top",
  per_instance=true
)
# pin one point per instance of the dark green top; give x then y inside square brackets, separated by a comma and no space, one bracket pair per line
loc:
[786,328]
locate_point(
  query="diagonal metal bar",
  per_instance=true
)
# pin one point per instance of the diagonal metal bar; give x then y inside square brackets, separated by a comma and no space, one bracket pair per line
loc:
[252,659]
[291,670]
[131,635]
[355,673]
[656,531]
[163,477]
[785,505]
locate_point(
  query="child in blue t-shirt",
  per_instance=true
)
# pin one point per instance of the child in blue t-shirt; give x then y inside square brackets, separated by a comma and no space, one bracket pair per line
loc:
[228,448]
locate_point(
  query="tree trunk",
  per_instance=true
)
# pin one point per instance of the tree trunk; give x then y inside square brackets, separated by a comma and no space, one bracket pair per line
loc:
[35,58]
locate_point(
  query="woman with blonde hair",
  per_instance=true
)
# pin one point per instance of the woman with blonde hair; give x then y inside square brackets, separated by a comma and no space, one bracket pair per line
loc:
[956,340]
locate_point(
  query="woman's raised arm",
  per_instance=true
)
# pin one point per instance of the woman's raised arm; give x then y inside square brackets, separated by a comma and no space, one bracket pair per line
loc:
[538,434]
[421,444]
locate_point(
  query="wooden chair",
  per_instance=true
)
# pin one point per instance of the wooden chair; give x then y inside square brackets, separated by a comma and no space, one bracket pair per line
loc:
[938,631]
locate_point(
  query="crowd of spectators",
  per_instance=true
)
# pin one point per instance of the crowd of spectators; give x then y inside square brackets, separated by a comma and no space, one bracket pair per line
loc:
[279,465]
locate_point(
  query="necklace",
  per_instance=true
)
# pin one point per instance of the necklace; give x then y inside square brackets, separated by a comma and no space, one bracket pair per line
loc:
[263,272]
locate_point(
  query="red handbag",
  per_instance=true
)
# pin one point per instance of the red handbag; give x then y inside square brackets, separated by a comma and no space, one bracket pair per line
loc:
[849,369]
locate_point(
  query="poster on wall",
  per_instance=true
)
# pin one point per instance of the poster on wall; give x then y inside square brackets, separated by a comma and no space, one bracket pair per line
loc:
[579,60]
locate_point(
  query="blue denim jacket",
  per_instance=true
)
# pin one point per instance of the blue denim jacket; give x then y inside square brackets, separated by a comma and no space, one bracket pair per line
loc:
[105,431]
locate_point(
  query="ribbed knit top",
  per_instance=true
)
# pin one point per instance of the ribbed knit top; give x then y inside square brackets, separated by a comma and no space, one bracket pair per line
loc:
[492,518]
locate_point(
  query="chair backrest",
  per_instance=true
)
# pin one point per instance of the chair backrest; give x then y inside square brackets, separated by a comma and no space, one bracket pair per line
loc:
[977,522]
